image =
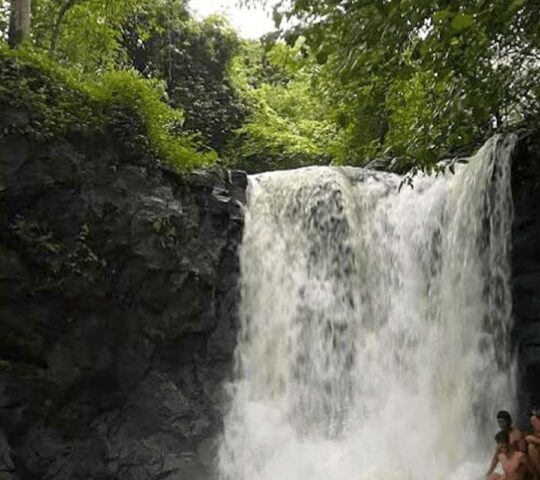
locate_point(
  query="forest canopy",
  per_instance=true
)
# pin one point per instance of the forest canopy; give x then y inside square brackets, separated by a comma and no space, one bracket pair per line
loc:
[341,81]
[422,78]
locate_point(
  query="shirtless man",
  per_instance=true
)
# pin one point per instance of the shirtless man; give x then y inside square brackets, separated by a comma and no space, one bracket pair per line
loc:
[516,438]
[515,464]
[533,442]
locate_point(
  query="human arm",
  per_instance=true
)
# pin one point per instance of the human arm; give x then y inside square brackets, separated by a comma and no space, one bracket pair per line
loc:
[494,463]
[533,440]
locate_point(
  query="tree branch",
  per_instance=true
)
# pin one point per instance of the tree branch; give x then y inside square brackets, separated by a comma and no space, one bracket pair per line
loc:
[58,23]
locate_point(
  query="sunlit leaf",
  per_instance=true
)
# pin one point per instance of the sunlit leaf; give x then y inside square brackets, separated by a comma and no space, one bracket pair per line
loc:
[440,16]
[462,21]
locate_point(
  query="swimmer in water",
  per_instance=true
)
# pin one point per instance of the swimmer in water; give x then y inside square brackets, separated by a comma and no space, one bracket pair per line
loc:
[517,439]
[515,464]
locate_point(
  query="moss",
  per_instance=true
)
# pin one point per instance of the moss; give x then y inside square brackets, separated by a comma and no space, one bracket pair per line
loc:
[61,103]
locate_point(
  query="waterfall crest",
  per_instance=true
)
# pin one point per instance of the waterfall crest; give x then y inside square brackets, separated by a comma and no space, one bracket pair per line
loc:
[374,324]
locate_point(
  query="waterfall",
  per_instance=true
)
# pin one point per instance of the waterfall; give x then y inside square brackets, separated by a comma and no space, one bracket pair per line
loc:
[375,317]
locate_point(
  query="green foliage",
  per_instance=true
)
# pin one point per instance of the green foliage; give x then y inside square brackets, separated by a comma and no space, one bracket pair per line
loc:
[410,79]
[420,78]
[61,102]
[286,126]
[428,119]
[83,33]
[193,59]
[199,68]
[126,88]
[33,83]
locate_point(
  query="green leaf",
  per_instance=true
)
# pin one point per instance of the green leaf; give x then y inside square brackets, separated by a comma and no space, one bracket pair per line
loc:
[291,38]
[322,57]
[440,16]
[517,4]
[424,49]
[277,17]
[462,21]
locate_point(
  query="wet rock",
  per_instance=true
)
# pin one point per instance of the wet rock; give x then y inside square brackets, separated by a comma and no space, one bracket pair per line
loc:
[526,270]
[6,462]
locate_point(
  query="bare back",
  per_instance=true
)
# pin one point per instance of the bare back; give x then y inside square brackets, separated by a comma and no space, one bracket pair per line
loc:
[517,440]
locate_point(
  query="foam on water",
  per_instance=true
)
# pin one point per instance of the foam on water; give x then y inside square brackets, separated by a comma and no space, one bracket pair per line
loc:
[374,324]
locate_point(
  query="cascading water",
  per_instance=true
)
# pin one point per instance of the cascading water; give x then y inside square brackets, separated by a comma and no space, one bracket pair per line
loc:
[374,324]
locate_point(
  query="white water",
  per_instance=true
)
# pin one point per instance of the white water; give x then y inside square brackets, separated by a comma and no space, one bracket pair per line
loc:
[373,324]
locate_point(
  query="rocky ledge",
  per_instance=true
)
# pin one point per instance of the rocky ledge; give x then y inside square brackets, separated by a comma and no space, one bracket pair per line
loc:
[118,297]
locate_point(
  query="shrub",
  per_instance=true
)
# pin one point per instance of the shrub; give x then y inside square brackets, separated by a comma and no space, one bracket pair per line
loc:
[61,102]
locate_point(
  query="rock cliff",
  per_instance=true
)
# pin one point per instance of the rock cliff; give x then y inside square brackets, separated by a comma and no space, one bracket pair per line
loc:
[526,271]
[117,310]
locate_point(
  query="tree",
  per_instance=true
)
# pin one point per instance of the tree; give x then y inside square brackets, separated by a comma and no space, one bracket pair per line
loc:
[64,9]
[84,33]
[193,59]
[468,67]
[19,22]
[287,124]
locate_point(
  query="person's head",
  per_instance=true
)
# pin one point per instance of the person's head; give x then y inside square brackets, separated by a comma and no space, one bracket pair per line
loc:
[535,412]
[504,420]
[503,441]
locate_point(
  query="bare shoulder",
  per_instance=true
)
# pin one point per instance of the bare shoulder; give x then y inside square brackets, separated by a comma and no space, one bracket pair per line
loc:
[517,432]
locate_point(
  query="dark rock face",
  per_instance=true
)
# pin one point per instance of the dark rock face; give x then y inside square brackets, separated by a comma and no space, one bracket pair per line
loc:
[526,271]
[118,297]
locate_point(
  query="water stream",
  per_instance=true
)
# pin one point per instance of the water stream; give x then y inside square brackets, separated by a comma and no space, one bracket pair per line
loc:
[374,339]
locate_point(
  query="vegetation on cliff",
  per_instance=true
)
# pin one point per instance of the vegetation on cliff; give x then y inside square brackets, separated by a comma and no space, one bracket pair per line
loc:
[198,91]
[340,82]
[60,102]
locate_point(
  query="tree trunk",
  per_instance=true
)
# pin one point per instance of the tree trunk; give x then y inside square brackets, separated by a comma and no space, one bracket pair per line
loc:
[19,22]
[58,24]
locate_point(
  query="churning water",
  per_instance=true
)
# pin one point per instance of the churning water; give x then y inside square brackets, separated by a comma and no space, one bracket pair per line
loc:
[374,324]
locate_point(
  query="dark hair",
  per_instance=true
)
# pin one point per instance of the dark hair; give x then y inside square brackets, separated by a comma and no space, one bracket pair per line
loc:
[535,412]
[502,437]
[504,414]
